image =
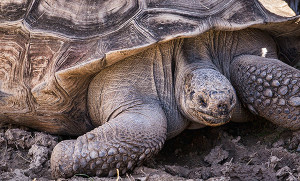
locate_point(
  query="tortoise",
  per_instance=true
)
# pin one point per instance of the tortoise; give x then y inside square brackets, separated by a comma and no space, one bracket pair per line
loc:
[126,75]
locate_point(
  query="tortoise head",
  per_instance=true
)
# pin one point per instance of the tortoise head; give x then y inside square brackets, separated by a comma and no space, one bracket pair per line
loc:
[207,97]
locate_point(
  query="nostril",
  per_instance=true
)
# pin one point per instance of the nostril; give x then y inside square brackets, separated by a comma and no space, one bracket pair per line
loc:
[202,101]
[222,107]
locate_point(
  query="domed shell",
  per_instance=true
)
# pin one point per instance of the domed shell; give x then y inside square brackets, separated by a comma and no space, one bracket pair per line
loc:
[50,50]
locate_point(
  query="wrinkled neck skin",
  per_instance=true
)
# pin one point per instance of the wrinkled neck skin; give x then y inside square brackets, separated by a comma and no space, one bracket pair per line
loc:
[203,94]
[217,49]
[203,90]
[211,50]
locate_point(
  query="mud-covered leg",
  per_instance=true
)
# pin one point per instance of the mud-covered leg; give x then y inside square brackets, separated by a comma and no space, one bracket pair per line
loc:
[269,88]
[122,143]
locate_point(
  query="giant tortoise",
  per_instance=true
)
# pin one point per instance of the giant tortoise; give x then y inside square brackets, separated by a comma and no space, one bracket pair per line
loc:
[128,74]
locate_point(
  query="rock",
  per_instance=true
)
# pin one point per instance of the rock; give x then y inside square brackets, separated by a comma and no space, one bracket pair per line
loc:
[40,155]
[273,161]
[291,178]
[16,175]
[46,140]
[217,155]
[278,143]
[283,171]
[177,170]
[219,179]
[19,138]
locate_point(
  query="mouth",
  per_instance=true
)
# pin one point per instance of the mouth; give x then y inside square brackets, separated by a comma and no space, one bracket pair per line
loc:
[210,120]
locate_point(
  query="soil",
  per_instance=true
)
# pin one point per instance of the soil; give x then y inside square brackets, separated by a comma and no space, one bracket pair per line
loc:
[246,151]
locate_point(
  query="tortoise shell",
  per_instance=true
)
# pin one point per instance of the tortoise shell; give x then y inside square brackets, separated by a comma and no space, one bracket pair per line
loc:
[50,50]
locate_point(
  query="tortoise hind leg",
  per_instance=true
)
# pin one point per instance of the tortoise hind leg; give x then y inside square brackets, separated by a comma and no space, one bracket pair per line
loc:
[269,88]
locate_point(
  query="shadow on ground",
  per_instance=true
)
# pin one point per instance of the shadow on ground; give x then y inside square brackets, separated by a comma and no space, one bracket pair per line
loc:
[250,151]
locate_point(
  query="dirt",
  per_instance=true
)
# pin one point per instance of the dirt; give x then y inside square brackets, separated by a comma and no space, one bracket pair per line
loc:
[250,151]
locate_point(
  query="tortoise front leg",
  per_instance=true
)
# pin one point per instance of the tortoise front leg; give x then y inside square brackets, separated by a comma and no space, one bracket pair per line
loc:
[269,88]
[122,143]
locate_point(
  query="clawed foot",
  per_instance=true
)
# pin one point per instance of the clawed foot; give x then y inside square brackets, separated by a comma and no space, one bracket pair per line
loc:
[121,144]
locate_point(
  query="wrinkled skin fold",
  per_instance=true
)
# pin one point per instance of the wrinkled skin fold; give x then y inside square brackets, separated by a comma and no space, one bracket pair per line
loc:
[125,75]
[141,101]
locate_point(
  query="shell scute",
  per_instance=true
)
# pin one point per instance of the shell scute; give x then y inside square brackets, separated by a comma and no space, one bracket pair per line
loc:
[81,18]
[13,10]
[13,49]
[50,50]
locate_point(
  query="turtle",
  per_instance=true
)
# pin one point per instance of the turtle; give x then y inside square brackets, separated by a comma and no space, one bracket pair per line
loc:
[125,75]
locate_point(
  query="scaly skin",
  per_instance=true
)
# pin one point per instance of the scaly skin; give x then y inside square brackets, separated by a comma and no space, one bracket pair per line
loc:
[124,102]
[269,88]
[132,125]
[132,102]
[207,97]
[122,143]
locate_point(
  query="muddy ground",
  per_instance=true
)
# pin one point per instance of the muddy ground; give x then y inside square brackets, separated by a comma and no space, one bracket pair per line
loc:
[249,151]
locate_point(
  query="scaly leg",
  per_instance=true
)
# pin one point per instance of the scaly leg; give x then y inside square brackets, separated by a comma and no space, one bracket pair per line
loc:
[269,88]
[122,143]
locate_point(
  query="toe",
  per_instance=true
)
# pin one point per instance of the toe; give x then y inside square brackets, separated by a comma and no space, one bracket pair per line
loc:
[61,159]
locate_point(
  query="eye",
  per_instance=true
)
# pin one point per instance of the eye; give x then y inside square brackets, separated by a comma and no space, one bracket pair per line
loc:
[202,102]
[192,95]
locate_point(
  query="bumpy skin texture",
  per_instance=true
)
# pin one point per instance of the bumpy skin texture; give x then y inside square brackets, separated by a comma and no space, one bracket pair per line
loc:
[269,88]
[266,86]
[207,97]
[122,143]
[132,119]
[50,51]
[208,70]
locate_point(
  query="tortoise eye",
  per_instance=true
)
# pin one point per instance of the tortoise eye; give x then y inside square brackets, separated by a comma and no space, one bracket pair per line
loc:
[202,101]
[192,95]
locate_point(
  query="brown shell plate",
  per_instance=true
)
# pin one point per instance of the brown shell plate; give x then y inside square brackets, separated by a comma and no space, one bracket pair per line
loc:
[50,50]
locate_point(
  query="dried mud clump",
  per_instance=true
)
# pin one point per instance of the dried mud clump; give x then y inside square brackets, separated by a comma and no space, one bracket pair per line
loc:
[248,151]
[25,154]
